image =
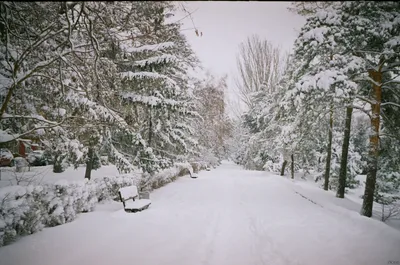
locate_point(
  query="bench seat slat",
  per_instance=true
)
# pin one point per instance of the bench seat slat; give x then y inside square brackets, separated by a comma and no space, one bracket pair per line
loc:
[137,205]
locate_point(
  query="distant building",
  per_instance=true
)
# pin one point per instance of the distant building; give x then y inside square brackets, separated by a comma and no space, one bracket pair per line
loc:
[26,146]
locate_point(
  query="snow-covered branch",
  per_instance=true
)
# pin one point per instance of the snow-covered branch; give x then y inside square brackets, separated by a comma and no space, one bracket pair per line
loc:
[32,117]
[391,104]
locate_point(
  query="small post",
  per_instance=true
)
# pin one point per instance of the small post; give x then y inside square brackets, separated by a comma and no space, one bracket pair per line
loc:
[292,166]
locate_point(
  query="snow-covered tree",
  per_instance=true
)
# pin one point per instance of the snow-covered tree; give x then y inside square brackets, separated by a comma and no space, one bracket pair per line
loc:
[92,78]
[372,31]
[345,58]
[260,66]
[365,36]
[155,88]
[214,129]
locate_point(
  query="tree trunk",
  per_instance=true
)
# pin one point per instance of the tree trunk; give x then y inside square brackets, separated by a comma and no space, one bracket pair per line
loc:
[7,100]
[329,151]
[292,166]
[283,168]
[89,164]
[368,201]
[150,128]
[57,167]
[345,151]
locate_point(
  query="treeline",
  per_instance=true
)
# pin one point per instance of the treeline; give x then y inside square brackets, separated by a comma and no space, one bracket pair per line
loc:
[92,79]
[334,110]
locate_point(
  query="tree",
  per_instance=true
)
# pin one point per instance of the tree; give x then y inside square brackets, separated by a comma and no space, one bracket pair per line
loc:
[101,63]
[35,40]
[345,149]
[379,51]
[260,67]
[214,129]
[308,8]
[156,89]
[261,121]
[360,59]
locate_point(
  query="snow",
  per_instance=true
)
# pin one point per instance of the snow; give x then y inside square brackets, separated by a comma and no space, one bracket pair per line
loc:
[226,216]
[40,132]
[62,112]
[395,41]
[154,47]
[138,204]
[33,116]
[97,111]
[151,75]
[129,192]
[157,59]
[148,100]
[18,190]
[6,154]
[316,34]
[20,161]
[328,16]
[6,137]
[45,174]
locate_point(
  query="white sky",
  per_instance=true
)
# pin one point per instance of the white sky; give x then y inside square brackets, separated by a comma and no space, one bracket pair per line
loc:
[226,24]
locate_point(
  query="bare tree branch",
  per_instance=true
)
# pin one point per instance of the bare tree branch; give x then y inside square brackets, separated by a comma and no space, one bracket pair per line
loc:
[259,65]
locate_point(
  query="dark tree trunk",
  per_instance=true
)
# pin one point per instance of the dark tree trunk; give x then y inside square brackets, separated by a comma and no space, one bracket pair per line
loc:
[89,164]
[150,128]
[57,167]
[368,200]
[7,100]
[329,151]
[283,168]
[292,166]
[345,152]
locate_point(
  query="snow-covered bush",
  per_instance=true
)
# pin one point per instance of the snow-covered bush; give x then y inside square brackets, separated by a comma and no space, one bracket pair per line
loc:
[21,164]
[107,188]
[272,166]
[20,214]
[104,160]
[168,175]
[64,201]
[184,169]
[198,165]
[25,210]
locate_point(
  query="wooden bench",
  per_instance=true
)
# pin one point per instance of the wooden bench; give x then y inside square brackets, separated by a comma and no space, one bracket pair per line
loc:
[130,198]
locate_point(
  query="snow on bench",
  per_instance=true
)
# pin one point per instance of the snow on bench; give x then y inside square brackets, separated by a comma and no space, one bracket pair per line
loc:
[139,204]
[130,198]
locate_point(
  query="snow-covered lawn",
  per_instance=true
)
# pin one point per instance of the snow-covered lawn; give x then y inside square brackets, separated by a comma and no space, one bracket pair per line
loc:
[41,175]
[352,202]
[226,216]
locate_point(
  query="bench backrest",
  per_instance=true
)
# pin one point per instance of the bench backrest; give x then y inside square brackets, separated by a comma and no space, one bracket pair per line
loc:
[128,193]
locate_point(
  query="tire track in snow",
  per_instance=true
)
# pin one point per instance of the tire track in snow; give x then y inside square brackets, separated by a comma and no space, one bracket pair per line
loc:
[263,247]
[309,199]
[211,235]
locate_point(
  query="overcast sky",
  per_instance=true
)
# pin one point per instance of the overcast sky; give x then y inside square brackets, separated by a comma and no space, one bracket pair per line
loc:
[226,24]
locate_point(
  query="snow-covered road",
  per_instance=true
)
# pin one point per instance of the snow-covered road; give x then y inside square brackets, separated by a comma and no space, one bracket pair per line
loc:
[226,216]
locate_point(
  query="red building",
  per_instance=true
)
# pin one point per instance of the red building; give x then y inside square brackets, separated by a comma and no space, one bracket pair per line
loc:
[26,146]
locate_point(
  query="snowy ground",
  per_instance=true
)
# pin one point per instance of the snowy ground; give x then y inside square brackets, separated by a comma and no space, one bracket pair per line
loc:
[40,175]
[226,216]
[353,199]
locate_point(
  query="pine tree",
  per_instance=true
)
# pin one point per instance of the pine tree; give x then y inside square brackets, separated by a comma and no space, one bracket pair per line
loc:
[155,87]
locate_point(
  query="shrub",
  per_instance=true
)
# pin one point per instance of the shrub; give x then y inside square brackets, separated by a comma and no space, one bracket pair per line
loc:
[25,210]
